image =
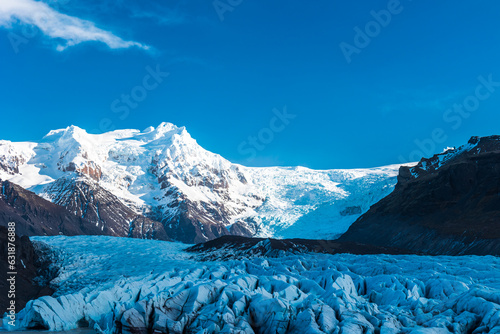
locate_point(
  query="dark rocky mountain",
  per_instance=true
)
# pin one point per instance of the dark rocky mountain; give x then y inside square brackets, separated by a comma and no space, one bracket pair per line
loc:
[81,208]
[34,215]
[31,267]
[447,204]
[190,224]
[85,198]
[235,247]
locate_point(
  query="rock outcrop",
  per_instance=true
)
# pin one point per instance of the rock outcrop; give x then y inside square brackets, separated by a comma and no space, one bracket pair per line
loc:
[34,215]
[447,204]
[85,198]
[28,266]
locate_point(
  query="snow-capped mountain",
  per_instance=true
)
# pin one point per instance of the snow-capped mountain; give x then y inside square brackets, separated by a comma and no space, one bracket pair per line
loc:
[162,175]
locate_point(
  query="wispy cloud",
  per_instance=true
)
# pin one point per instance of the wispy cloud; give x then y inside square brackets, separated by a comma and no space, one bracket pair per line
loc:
[68,29]
[423,100]
[160,14]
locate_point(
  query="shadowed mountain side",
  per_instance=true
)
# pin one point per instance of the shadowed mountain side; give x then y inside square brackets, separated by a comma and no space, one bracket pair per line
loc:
[448,204]
[34,215]
[30,267]
[88,210]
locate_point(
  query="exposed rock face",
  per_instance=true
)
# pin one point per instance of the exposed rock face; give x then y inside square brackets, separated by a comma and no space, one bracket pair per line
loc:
[26,288]
[448,204]
[12,156]
[236,247]
[351,210]
[86,199]
[191,224]
[90,169]
[34,215]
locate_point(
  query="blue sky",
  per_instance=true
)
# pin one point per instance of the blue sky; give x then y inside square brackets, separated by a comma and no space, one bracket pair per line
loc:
[390,101]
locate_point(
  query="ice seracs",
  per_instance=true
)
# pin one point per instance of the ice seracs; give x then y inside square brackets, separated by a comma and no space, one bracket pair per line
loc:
[164,290]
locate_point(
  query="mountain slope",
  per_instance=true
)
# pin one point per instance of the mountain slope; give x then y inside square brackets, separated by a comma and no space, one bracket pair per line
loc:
[448,204]
[29,265]
[163,174]
[34,215]
[85,198]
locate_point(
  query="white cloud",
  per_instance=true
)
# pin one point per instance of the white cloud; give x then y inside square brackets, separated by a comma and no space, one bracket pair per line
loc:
[71,30]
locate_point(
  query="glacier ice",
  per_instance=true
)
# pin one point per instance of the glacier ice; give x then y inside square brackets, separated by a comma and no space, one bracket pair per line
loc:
[145,286]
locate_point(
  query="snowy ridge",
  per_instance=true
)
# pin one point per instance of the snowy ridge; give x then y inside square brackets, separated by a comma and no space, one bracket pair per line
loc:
[438,160]
[164,174]
[475,146]
[164,290]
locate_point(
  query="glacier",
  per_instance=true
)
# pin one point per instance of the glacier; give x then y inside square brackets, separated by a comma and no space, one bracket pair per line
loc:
[122,285]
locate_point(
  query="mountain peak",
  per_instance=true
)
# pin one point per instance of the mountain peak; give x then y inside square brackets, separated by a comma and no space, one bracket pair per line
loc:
[70,131]
[164,130]
[485,144]
[167,125]
[197,195]
[475,146]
